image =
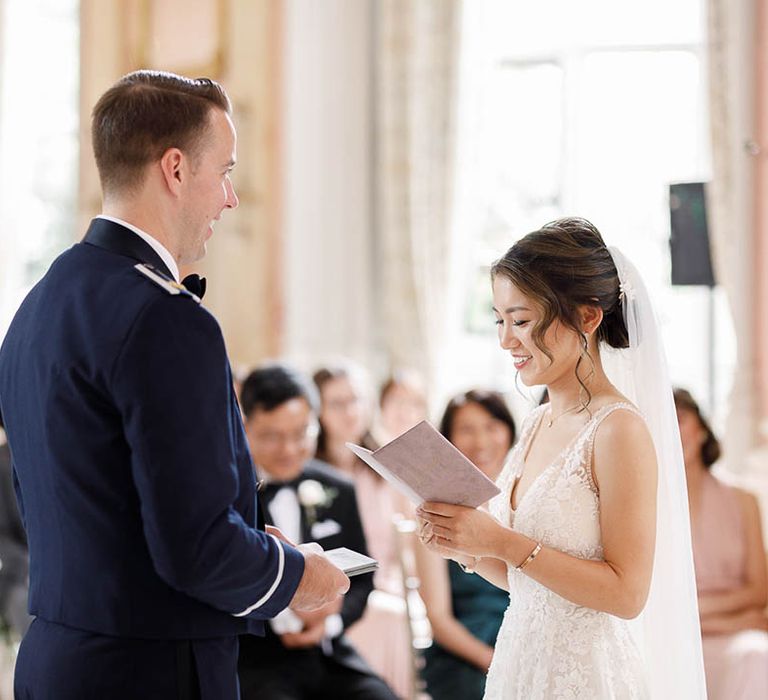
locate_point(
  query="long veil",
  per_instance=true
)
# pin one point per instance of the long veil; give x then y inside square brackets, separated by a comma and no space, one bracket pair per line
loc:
[667,630]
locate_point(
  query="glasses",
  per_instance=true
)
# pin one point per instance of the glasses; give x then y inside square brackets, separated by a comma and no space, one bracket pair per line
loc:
[273,440]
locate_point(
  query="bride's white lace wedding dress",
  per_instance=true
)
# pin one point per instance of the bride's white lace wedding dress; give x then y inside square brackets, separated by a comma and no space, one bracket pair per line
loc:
[549,647]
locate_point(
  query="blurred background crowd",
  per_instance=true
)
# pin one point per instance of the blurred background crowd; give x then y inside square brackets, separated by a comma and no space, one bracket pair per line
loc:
[389,151]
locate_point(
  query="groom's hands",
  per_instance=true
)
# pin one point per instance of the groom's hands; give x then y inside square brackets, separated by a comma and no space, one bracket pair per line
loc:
[447,529]
[321,583]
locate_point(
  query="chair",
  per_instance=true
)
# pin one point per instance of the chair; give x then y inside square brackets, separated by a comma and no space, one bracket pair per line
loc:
[419,630]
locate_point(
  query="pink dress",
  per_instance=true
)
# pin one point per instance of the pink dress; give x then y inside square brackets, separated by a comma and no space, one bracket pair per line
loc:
[736,665]
[382,636]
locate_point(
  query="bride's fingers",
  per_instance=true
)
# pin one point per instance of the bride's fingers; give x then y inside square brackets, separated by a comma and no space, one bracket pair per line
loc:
[444,509]
[434,518]
[443,532]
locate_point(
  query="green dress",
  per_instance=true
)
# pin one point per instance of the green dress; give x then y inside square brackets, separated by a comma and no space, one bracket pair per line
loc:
[480,607]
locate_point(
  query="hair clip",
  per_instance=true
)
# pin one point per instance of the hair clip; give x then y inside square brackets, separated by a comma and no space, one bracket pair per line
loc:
[626,290]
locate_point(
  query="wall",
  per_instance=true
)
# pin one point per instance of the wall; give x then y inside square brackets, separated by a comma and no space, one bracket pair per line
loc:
[242,49]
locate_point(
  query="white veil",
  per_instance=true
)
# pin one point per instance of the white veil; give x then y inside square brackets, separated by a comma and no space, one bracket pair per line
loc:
[667,630]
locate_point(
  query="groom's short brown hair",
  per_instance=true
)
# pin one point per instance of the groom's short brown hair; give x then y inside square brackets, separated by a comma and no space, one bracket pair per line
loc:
[144,114]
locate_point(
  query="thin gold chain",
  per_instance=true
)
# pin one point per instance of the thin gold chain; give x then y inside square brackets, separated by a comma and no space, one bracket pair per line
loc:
[560,415]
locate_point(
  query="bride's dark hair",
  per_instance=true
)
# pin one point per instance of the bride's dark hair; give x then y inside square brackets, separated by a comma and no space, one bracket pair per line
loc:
[562,266]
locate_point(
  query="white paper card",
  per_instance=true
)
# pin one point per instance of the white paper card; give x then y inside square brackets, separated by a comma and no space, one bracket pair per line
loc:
[350,562]
[424,466]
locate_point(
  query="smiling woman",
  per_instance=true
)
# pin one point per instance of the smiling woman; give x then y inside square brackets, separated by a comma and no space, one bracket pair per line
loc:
[573,533]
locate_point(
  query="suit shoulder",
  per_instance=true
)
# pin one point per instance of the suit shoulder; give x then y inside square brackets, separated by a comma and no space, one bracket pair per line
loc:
[157,317]
[328,474]
[167,284]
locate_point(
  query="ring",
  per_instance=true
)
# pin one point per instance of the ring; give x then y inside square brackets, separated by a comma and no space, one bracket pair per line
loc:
[426,534]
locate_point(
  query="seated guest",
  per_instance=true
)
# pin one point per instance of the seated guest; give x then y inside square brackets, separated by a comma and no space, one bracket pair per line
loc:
[345,416]
[303,654]
[729,557]
[14,555]
[382,636]
[465,611]
[402,404]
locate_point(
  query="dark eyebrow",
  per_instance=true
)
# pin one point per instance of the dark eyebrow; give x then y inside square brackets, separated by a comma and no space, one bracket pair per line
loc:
[513,309]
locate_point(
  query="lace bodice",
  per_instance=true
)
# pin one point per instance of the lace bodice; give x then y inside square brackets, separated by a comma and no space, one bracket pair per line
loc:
[549,647]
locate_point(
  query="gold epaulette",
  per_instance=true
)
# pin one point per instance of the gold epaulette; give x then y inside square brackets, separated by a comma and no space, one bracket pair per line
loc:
[169,285]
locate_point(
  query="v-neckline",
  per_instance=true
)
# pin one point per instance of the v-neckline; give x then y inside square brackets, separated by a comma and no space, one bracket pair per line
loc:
[554,462]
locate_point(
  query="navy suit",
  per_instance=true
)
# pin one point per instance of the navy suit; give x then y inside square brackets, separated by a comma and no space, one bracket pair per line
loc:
[135,484]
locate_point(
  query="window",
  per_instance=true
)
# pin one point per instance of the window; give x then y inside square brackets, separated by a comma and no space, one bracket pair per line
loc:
[39,122]
[594,114]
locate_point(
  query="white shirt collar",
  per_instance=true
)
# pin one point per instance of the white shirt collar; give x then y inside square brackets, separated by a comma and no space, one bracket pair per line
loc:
[158,247]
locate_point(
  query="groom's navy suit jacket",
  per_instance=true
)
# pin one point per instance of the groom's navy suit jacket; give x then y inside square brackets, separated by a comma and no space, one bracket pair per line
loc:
[133,475]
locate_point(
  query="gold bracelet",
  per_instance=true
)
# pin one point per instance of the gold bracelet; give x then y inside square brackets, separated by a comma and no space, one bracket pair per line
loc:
[530,557]
[469,568]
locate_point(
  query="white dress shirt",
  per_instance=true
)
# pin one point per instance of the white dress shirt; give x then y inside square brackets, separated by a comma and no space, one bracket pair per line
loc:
[285,510]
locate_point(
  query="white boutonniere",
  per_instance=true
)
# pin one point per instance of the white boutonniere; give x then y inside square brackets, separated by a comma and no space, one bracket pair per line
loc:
[313,495]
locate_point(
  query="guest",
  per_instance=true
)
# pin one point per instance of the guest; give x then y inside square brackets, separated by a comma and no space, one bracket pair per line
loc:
[303,655]
[345,416]
[382,636]
[402,404]
[729,557]
[465,611]
[14,557]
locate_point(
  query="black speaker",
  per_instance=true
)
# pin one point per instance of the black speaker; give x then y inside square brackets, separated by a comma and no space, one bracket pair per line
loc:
[689,239]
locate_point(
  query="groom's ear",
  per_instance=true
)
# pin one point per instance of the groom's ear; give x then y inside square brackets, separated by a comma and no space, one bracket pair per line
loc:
[591,318]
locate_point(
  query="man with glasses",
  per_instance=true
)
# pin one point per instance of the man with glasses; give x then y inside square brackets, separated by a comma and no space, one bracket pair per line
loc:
[304,654]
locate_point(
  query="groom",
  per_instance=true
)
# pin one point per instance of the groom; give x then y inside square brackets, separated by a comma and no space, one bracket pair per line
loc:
[132,470]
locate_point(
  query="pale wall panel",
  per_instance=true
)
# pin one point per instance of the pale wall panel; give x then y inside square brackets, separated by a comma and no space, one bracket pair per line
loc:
[239,43]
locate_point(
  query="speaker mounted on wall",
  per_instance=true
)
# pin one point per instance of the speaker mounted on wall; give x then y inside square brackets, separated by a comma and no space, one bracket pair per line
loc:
[689,237]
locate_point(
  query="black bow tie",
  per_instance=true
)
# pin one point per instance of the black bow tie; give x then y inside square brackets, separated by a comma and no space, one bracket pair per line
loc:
[268,489]
[195,284]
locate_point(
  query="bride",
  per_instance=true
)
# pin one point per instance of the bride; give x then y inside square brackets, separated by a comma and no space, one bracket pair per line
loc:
[590,532]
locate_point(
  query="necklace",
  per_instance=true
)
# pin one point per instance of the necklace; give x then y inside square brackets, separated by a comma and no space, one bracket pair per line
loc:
[552,419]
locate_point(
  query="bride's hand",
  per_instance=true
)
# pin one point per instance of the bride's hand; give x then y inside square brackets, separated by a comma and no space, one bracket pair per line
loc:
[460,529]
[430,542]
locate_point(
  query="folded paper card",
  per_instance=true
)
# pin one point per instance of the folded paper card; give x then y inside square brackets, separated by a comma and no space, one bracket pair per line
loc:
[350,562]
[424,466]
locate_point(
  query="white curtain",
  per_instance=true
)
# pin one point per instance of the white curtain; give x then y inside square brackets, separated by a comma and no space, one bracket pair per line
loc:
[417,56]
[730,204]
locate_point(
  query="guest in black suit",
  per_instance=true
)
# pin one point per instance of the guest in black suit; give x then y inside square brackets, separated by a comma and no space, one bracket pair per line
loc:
[14,556]
[304,655]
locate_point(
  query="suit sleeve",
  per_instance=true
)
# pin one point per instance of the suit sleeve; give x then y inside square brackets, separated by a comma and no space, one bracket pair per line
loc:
[361,586]
[171,386]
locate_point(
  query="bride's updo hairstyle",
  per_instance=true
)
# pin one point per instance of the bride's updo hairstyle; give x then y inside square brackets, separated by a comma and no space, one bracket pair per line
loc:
[562,266]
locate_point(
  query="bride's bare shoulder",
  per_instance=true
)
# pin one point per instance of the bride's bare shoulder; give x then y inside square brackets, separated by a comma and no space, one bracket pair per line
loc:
[623,442]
